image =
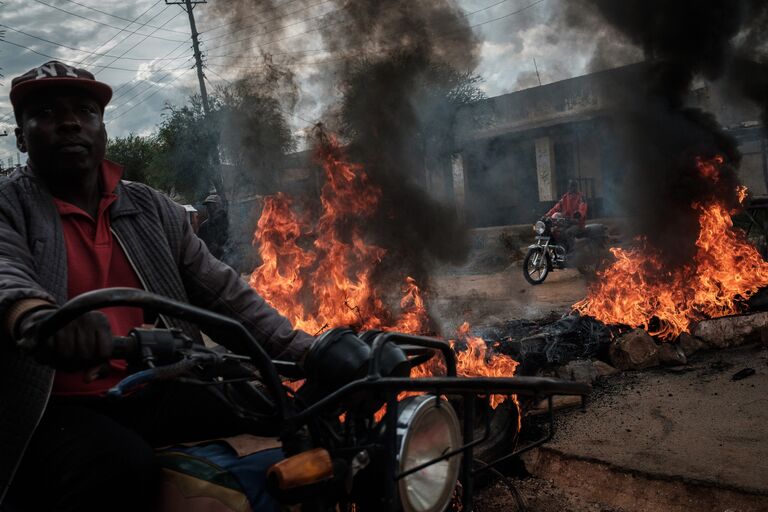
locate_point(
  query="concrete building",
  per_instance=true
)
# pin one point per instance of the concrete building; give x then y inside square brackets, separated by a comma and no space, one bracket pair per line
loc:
[515,153]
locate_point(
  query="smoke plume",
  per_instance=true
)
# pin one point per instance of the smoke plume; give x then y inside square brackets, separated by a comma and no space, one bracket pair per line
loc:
[408,72]
[662,136]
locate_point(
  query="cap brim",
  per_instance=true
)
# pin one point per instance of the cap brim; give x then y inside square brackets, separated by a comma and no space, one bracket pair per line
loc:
[100,91]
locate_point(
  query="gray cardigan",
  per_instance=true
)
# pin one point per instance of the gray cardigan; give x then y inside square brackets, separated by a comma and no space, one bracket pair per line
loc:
[170,261]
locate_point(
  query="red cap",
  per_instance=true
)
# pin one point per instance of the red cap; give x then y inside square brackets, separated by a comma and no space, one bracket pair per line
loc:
[57,74]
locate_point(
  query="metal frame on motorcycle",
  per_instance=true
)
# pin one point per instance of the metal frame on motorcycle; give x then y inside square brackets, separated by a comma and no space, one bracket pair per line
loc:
[470,391]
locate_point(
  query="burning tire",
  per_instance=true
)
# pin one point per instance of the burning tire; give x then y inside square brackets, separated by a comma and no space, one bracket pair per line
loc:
[536,265]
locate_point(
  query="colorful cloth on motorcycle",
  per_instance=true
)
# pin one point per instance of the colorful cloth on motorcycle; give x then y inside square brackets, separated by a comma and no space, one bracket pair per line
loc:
[96,260]
[212,477]
[570,204]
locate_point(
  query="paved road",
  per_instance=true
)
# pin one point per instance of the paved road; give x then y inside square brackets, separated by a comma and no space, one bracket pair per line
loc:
[689,438]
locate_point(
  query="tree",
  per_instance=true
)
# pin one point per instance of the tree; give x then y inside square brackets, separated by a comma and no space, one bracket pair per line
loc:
[135,154]
[255,135]
[188,154]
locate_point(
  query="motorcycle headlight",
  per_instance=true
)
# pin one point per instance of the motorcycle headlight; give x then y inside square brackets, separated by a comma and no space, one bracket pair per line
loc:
[427,427]
[539,228]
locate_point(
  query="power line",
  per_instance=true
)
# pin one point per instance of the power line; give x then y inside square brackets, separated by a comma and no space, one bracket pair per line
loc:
[291,52]
[245,17]
[125,28]
[120,17]
[150,84]
[437,35]
[62,45]
[342,21]
[537,2]
[147,97]
[290,113]
[115,91]
[283,28]
[97,21]
[71,63]
[262,23]
[135,45]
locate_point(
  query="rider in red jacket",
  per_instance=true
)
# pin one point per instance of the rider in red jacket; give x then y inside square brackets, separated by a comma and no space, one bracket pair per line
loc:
[571,205]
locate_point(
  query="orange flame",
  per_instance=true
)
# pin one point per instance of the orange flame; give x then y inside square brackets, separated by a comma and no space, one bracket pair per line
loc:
[726,269]
[320,275]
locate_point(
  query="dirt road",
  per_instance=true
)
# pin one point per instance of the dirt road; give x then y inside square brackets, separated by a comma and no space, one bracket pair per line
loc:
[485,298]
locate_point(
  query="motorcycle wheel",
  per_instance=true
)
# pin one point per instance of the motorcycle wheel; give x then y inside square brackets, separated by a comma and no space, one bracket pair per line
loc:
[536,266]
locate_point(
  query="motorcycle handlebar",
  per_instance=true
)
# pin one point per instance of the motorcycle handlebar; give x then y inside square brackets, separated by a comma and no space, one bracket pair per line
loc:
[239,337]
[125,347]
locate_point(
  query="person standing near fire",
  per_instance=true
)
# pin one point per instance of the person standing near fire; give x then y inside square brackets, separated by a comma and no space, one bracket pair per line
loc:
[573,207]
[214,230]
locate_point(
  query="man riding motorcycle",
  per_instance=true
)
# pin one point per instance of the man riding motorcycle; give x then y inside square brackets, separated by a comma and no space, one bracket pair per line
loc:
[68,225]
[573,208]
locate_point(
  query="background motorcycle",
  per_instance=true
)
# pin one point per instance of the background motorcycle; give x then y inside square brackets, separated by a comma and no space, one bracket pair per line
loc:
[550,251]
[338,454]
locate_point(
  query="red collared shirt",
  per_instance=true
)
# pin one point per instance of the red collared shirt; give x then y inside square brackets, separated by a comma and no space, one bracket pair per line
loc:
[96,260]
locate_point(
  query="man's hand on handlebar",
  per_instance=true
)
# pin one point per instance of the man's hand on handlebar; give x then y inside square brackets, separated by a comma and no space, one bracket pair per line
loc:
[83,343]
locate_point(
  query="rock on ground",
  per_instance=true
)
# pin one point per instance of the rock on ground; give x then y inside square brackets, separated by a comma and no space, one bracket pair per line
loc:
[634,351]
[670,354]
[731,331]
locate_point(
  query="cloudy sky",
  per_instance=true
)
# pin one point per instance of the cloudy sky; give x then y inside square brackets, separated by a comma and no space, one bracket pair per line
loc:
[142,48]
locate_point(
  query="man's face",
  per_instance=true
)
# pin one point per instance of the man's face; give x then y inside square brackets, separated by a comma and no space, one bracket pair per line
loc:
[63,133]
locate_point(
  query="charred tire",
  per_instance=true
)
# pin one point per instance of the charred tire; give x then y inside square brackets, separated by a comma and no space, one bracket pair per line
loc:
[536,266]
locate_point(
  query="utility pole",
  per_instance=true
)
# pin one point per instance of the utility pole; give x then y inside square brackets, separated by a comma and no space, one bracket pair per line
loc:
[188,5]
[537,71]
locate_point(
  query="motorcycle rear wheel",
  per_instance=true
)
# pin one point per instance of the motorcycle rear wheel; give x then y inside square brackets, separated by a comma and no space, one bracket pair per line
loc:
[536,266]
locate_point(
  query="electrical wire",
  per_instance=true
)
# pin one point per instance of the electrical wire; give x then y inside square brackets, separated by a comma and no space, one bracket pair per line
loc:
[246,17]
[518,11]
[115,91]
[124,29]
[146,98]
[472,13]
[120,17]
[69,62]
[97,21]
[62,45]
[148,84]
[283,28]
[288,112]
[101,67]
[265,22]
[537,2]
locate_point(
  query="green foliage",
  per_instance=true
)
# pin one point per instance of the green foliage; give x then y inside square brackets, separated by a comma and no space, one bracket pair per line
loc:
[246,130]
[255,135]
[135,154]
[187,161]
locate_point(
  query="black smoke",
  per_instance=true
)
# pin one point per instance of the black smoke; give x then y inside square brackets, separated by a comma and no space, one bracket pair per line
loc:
[662,135]
[400,70]
[408,73]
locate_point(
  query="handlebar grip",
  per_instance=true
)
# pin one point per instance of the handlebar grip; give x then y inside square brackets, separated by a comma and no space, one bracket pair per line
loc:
[125,347]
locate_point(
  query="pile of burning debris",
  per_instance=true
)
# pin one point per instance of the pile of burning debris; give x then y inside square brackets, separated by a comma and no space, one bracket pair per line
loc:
[641,312]
[638,313]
